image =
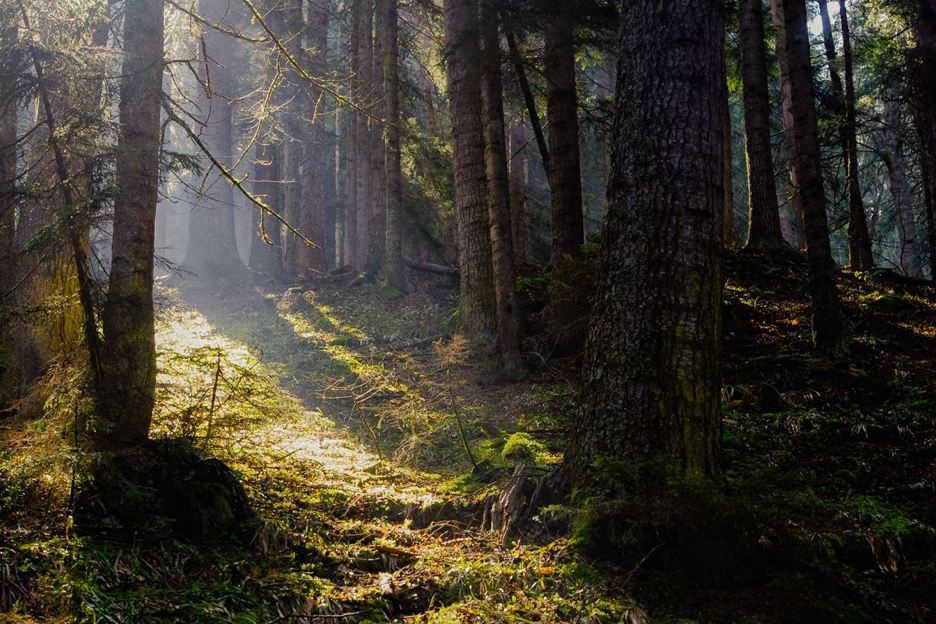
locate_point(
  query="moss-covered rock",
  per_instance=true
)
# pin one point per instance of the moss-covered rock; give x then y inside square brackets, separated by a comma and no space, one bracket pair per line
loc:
[164,488]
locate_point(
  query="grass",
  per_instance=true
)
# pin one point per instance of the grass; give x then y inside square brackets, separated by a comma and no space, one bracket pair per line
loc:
[823,512]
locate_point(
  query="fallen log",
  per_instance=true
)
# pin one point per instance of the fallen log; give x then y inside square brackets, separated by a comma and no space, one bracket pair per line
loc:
[429,267]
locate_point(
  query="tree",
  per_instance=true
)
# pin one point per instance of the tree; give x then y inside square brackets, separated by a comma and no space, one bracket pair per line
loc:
[8,104]
[129,332]
[796,71]
[212,248]
[922,62]
[498,188]
[860,256]
[394,198]
[910,255]
[476,287]
[312,259]
[651,378]
[763,212]
[519,207]
[565,179]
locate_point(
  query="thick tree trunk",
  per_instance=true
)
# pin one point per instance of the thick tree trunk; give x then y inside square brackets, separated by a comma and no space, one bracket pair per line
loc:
[763,211]
[519,208]
[565,177]
[394,201]
[313,260]
[212,248]
[565,183]
[476,289]
[860,256]
[790,138]
[793,50]
[375,252]
[922,62]
[498,189]
[129,332]
[651,380]
[910,256]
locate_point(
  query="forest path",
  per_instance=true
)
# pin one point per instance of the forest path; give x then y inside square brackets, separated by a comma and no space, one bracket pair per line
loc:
[344,533]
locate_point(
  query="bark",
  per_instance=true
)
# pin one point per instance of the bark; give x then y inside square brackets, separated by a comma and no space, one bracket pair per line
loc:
[651,377]
[910,256]
[363,71]
[860,256]
[793,49]
[375,256]
[763,211]
[312,260]
[519,207]
[129,332]
[293,152]
[476,283]
[394,200]
[922,62]
[266,252]
[565,184]
[212,248]
[728,230]
[498,189]
[8,106]
[789,135]
[565,178]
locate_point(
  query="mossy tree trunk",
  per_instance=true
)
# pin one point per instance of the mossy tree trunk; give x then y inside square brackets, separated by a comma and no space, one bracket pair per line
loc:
[793,48]
[651,379]
[129,332]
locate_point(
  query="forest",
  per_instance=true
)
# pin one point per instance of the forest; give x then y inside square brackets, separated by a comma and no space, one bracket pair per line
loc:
[468,311]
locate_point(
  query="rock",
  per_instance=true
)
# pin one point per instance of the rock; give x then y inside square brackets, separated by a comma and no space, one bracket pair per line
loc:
[161,489]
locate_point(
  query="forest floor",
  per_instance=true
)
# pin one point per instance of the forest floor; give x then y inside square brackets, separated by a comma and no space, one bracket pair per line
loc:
[346,410]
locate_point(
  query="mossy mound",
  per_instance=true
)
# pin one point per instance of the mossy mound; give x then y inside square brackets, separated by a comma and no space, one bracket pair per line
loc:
[164,488]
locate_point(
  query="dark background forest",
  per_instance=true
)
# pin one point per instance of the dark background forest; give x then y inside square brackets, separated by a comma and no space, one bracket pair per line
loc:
[467,311]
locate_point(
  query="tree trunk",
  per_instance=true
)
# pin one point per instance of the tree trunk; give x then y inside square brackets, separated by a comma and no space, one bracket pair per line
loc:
[476,287]
[790,137]
[793,50]
[565,183]
[519,208]
[129,332]
[498,189]
[313,260]
[212,248]
[363,71]
[728,234]
[860,256]
[565,177]
[375,256]
[266,252]
[8,105]
[293,152]
[763,211]
[922,61]
[910,256]
[651,380]
[394,200]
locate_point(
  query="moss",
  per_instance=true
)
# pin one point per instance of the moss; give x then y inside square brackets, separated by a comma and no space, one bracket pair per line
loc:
[520,448]
[390,293]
